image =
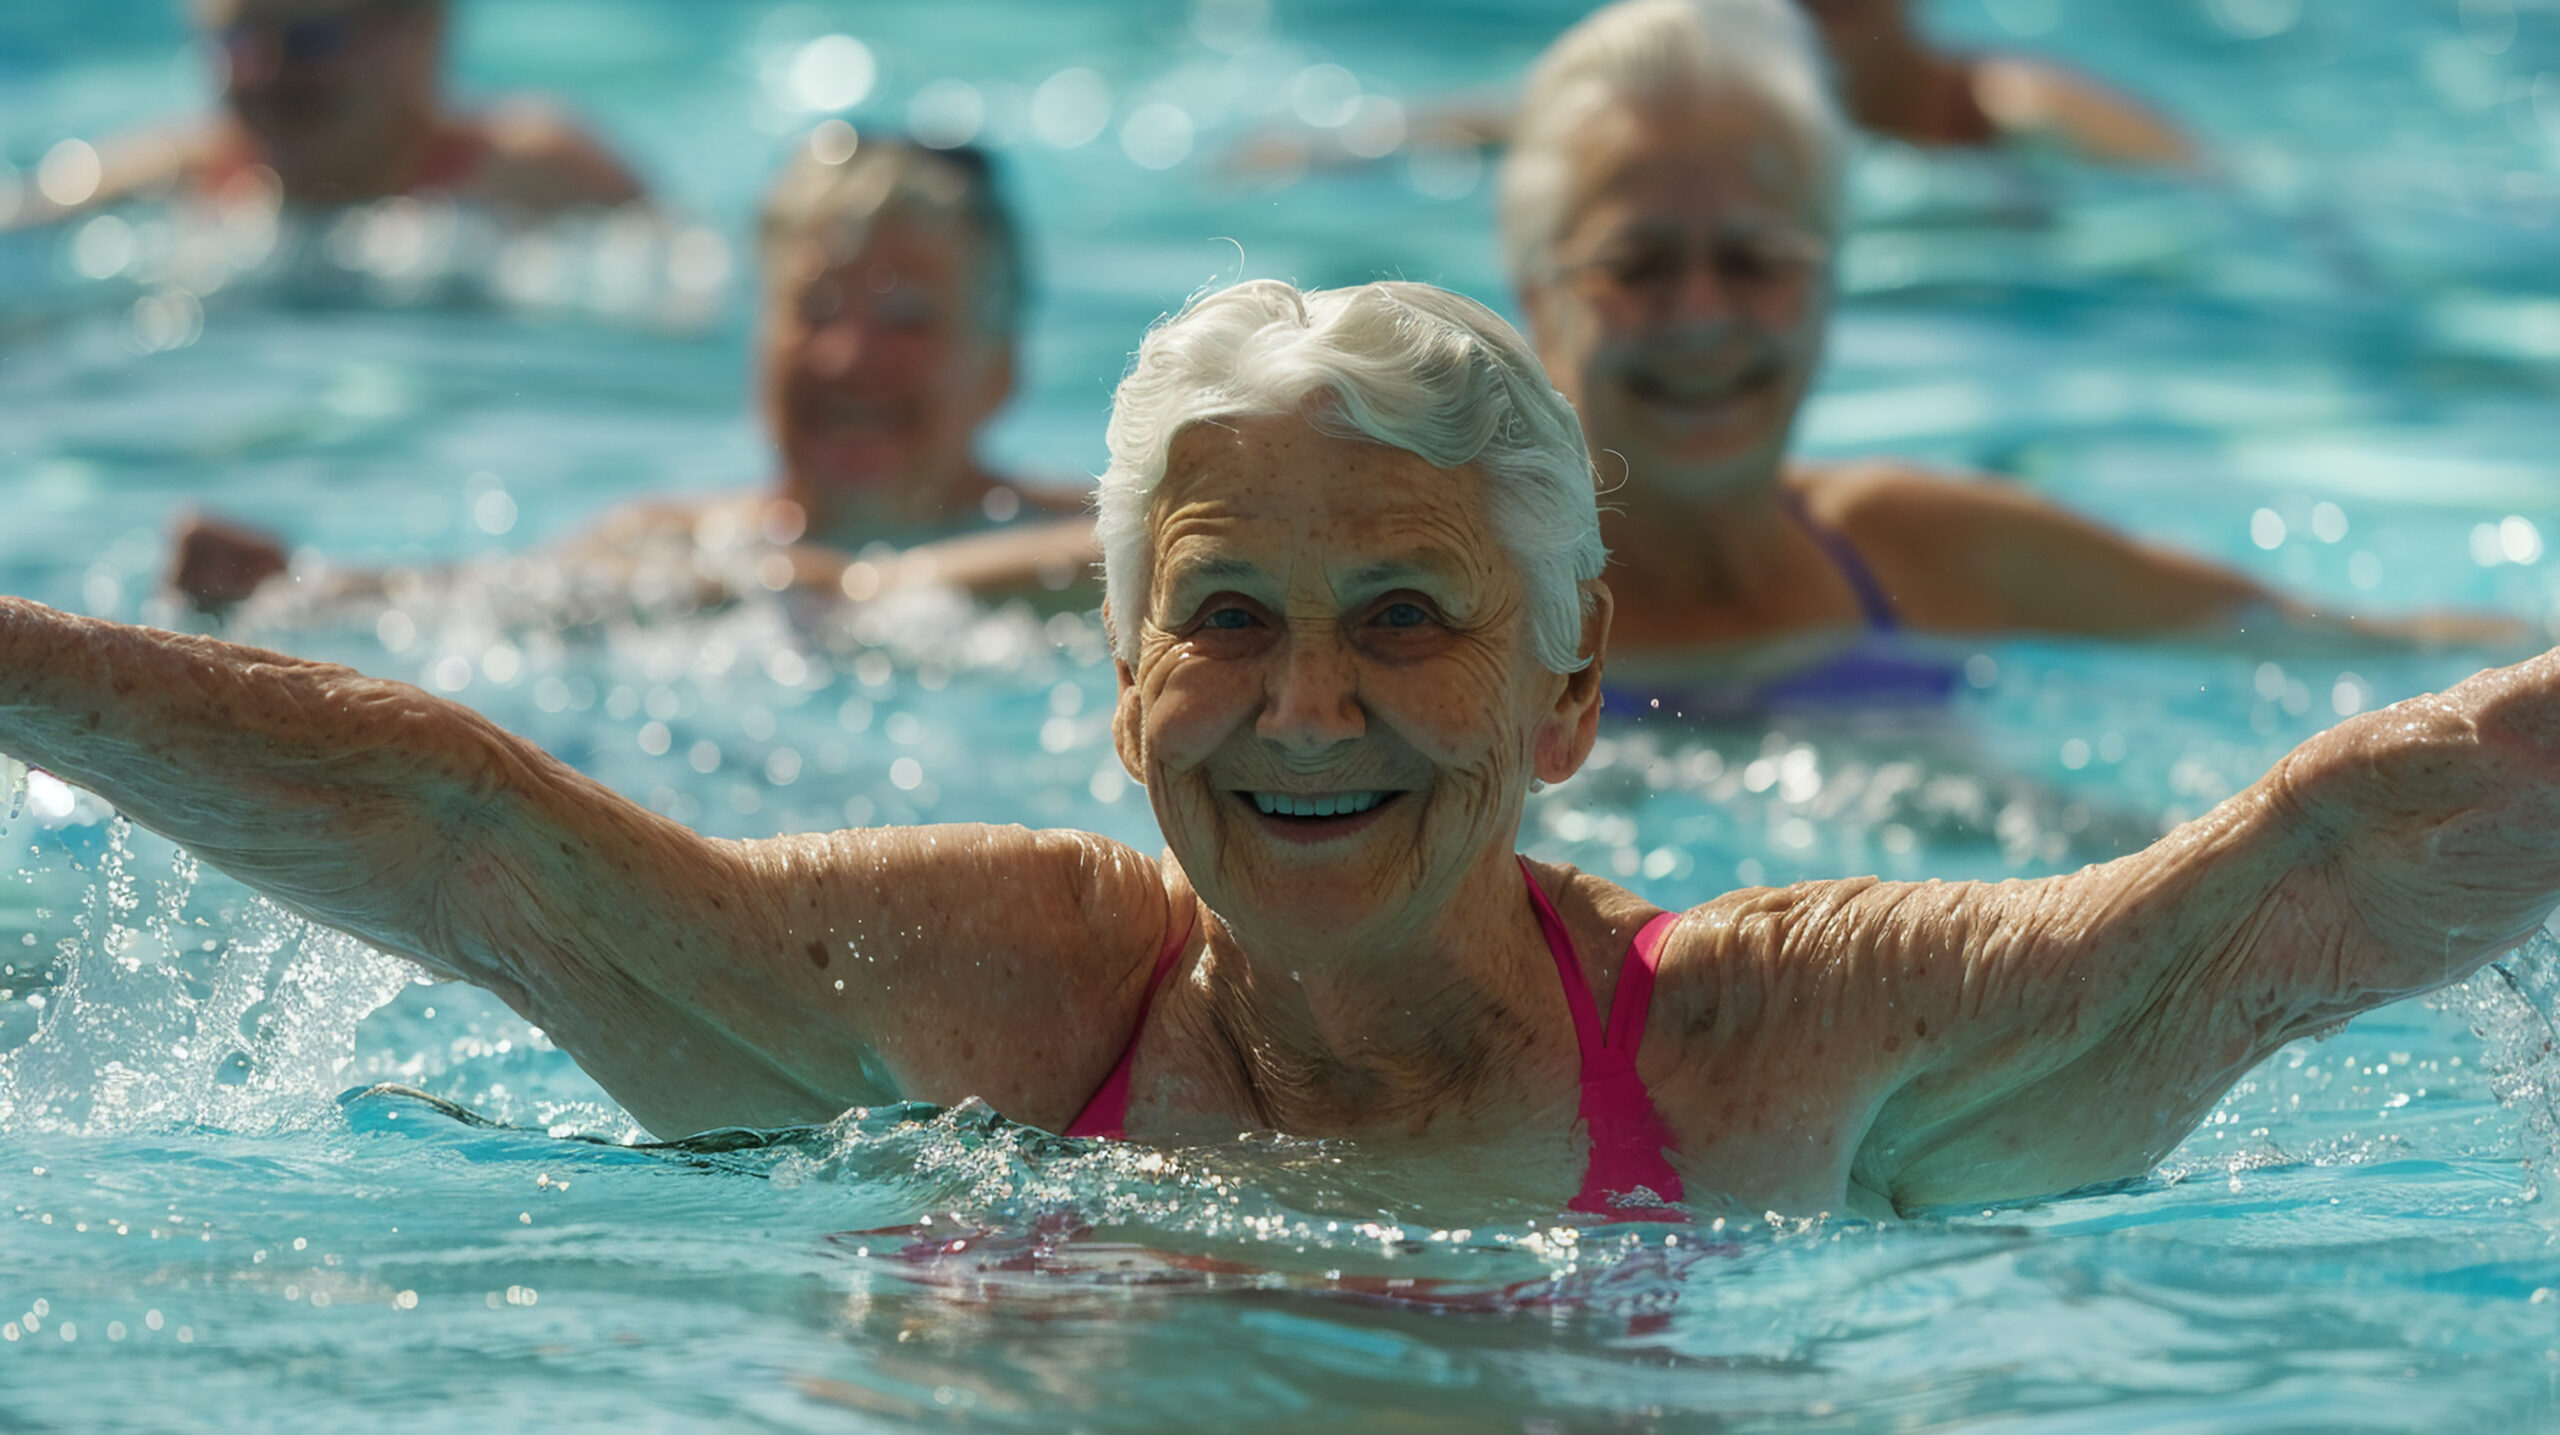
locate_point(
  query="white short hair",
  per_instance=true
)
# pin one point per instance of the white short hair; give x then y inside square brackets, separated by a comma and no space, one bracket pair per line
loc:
[1643,50]
[1435,374]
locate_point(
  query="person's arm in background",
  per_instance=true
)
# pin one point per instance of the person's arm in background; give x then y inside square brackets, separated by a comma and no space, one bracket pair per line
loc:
[542,161]
[2030,98]
[216,564]
[703,983]
[1976,557]
[150,162]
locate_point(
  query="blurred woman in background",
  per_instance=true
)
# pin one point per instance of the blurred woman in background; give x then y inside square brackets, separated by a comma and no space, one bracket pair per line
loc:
[1669,210]
[891,313]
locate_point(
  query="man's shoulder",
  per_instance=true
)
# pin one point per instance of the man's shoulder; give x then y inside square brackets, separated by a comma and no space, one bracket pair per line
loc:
[537,154]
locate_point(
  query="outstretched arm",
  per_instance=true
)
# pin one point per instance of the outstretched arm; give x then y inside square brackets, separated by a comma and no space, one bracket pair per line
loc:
[2017,1039]
[1974,556]
[702,982]
[2029,97]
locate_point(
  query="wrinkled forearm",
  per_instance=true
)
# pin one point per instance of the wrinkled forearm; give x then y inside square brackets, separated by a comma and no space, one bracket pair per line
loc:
[345,797]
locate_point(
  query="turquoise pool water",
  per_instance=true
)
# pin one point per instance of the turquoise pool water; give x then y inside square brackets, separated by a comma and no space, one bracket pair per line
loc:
[253,1177]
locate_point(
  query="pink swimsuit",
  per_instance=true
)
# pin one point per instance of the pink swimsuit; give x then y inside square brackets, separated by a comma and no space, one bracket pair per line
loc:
[1628,1177]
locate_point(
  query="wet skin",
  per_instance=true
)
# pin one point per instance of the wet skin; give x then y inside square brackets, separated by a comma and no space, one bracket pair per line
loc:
[1327,616]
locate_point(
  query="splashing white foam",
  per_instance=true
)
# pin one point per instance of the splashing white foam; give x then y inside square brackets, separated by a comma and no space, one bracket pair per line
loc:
[2514,1008]
[134,1038]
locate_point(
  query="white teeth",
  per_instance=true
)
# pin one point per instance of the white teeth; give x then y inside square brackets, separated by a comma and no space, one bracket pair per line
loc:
[1331,804]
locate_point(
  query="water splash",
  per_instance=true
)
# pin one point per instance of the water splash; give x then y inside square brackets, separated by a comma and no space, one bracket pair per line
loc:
[2513,1006]
[138,1035]
[13,780]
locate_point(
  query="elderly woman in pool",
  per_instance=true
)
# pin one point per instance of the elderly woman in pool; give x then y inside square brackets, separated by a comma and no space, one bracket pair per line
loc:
[1355,597]
[1668,211]
[894,291]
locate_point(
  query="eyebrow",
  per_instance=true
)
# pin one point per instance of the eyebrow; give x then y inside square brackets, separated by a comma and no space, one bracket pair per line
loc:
[1182,573]
[1388,572]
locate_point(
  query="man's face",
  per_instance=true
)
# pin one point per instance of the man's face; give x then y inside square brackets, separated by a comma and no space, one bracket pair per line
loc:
[1683,306]
[1334,706]
[328,87]
[876,373]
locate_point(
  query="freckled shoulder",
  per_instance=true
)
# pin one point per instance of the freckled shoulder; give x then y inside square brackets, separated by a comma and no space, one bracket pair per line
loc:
[1749,956]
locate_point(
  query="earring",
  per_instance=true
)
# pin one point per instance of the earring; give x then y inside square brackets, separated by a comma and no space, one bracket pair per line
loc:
[1537,784]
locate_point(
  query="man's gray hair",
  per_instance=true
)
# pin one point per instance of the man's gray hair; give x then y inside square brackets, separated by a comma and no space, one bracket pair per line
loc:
[1640,51]
[1435,374]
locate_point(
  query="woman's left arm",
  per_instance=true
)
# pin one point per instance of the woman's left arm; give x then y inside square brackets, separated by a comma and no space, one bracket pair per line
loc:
[2012,1040]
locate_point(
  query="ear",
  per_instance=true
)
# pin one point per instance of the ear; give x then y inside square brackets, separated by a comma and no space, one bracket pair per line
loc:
[1569,729]
[1128,715]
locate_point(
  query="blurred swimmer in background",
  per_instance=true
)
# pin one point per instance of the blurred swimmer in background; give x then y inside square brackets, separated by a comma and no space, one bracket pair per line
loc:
[1895,84]
[1668,212]
[894,287]
[337,102]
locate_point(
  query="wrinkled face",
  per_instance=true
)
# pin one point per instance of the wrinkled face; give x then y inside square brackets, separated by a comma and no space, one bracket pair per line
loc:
[1683,306]
[1334,706]
[875,373]
[328,87]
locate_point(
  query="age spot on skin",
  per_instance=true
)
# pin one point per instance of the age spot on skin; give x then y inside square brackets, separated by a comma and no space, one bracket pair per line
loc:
[818,955]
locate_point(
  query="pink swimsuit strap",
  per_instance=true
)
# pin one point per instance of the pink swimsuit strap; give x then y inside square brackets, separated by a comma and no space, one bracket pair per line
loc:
[1628,1177]
[1106,1113]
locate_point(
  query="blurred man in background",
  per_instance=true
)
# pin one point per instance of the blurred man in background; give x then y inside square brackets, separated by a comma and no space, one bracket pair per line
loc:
[891,311]
[336,102]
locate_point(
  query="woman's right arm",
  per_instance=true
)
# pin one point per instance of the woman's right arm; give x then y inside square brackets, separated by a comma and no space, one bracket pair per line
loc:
[703,983]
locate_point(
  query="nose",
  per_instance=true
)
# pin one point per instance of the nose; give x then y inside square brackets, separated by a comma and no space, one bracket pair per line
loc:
[1312,702]
[837,347]
[1699,294]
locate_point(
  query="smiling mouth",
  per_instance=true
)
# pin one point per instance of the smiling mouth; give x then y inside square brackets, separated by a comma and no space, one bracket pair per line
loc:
[1691,393]
[838,416]
[1315,805]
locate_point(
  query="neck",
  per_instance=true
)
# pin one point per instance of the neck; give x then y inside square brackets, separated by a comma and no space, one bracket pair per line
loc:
[1735,547]
[1400,1030]
[894,512]
[362,173]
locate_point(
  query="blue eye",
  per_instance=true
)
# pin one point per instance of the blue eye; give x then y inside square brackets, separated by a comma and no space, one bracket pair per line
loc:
[1404,615]
[1229,619]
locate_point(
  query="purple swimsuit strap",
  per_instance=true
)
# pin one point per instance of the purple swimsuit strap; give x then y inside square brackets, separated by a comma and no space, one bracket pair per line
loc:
[1873,601]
